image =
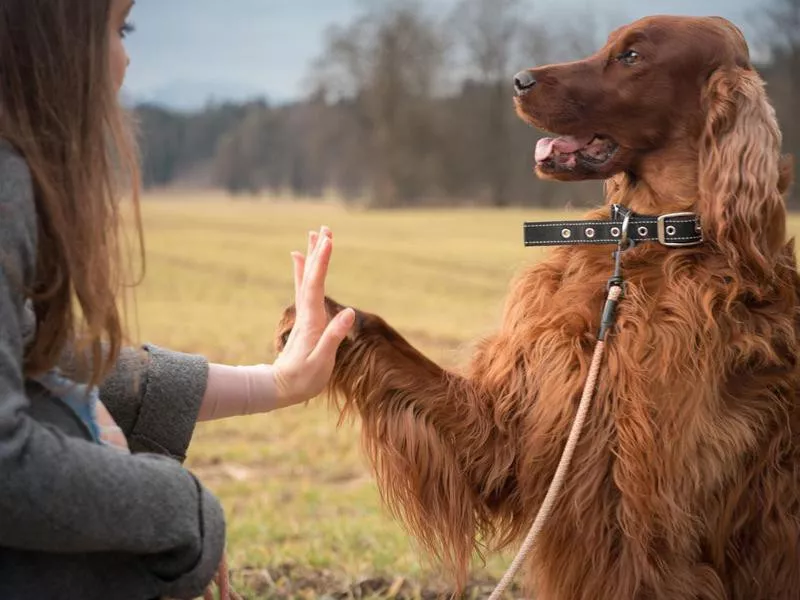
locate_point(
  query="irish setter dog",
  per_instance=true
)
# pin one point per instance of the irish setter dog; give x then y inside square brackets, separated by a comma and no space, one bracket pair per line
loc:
[686,481]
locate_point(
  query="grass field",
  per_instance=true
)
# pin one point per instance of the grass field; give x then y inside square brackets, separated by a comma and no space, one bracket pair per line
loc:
[295,487]
[305,520]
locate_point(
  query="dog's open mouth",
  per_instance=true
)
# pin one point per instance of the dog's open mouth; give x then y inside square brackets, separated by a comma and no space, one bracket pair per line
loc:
[566,153]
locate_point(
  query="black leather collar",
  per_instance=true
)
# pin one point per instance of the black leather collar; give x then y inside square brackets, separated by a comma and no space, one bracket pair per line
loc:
[674,230]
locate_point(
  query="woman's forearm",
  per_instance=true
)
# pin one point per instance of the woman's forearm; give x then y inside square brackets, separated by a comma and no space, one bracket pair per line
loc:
[238,391]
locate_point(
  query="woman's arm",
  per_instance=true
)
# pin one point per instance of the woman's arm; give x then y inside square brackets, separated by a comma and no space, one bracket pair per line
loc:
[157,396]
[67,495]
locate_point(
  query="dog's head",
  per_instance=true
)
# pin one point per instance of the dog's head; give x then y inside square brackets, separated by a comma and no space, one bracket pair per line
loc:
[646,87]
[669,98]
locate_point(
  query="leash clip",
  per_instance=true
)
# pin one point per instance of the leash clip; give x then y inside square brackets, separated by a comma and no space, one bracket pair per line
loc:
[610,308]
[625,243]
[624,238]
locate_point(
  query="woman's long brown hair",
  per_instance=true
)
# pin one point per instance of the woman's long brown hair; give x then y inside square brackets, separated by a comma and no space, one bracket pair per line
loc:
[59,109]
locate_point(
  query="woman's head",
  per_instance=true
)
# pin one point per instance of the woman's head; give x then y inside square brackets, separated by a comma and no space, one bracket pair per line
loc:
[118,27]
[62,63]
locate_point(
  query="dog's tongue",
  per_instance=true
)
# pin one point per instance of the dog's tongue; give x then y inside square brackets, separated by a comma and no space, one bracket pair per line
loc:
[546,147]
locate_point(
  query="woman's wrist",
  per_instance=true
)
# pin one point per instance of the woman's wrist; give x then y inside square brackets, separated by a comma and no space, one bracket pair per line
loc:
[234,391]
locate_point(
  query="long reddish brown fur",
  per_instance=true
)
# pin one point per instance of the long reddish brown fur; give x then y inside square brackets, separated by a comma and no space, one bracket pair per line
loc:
[686,481]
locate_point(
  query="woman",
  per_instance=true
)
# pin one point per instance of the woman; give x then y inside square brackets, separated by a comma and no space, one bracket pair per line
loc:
[94,501]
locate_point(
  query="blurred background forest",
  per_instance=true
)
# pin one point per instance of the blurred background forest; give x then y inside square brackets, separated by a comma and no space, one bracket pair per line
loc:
[407,108]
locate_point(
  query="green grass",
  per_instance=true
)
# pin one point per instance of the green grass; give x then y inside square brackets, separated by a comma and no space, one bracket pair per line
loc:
[295,487]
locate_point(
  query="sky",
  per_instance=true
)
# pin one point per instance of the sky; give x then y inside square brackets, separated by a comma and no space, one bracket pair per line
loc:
[185,52]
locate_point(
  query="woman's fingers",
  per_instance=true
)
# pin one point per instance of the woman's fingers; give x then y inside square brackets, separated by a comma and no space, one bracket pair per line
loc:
[309,274]
[299,262]
[316,272]
[313,238]
[313,248]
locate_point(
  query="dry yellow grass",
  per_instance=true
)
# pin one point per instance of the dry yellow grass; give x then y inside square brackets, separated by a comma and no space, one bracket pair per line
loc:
[295,487]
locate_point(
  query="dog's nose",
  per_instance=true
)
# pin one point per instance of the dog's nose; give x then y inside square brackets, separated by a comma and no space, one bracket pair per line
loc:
[524,82]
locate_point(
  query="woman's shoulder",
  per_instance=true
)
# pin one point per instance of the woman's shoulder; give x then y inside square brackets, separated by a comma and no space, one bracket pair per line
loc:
[16,184]
[18,228]
[13,166]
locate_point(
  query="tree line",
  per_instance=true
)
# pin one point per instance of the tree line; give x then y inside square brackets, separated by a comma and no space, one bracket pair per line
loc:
[407,108]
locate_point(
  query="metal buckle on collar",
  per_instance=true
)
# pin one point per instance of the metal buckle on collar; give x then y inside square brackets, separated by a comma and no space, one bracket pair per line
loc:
[662,230]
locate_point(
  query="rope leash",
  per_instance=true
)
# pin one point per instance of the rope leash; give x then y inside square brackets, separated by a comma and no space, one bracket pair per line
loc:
[673,230]
[615,291]
[561,472]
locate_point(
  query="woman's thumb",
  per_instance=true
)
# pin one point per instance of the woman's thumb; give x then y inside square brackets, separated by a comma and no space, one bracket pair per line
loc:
[334,334]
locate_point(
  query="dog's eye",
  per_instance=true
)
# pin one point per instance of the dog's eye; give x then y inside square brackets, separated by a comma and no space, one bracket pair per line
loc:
[629,57]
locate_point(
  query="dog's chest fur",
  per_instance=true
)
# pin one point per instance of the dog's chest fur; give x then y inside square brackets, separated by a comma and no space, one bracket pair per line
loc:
[677,416]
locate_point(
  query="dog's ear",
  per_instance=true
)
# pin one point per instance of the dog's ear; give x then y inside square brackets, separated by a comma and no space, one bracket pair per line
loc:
[741,203]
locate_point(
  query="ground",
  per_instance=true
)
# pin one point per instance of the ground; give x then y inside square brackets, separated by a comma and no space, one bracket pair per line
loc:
[304,516]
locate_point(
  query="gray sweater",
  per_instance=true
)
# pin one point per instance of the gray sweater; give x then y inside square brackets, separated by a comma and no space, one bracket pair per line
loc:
[78,519]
